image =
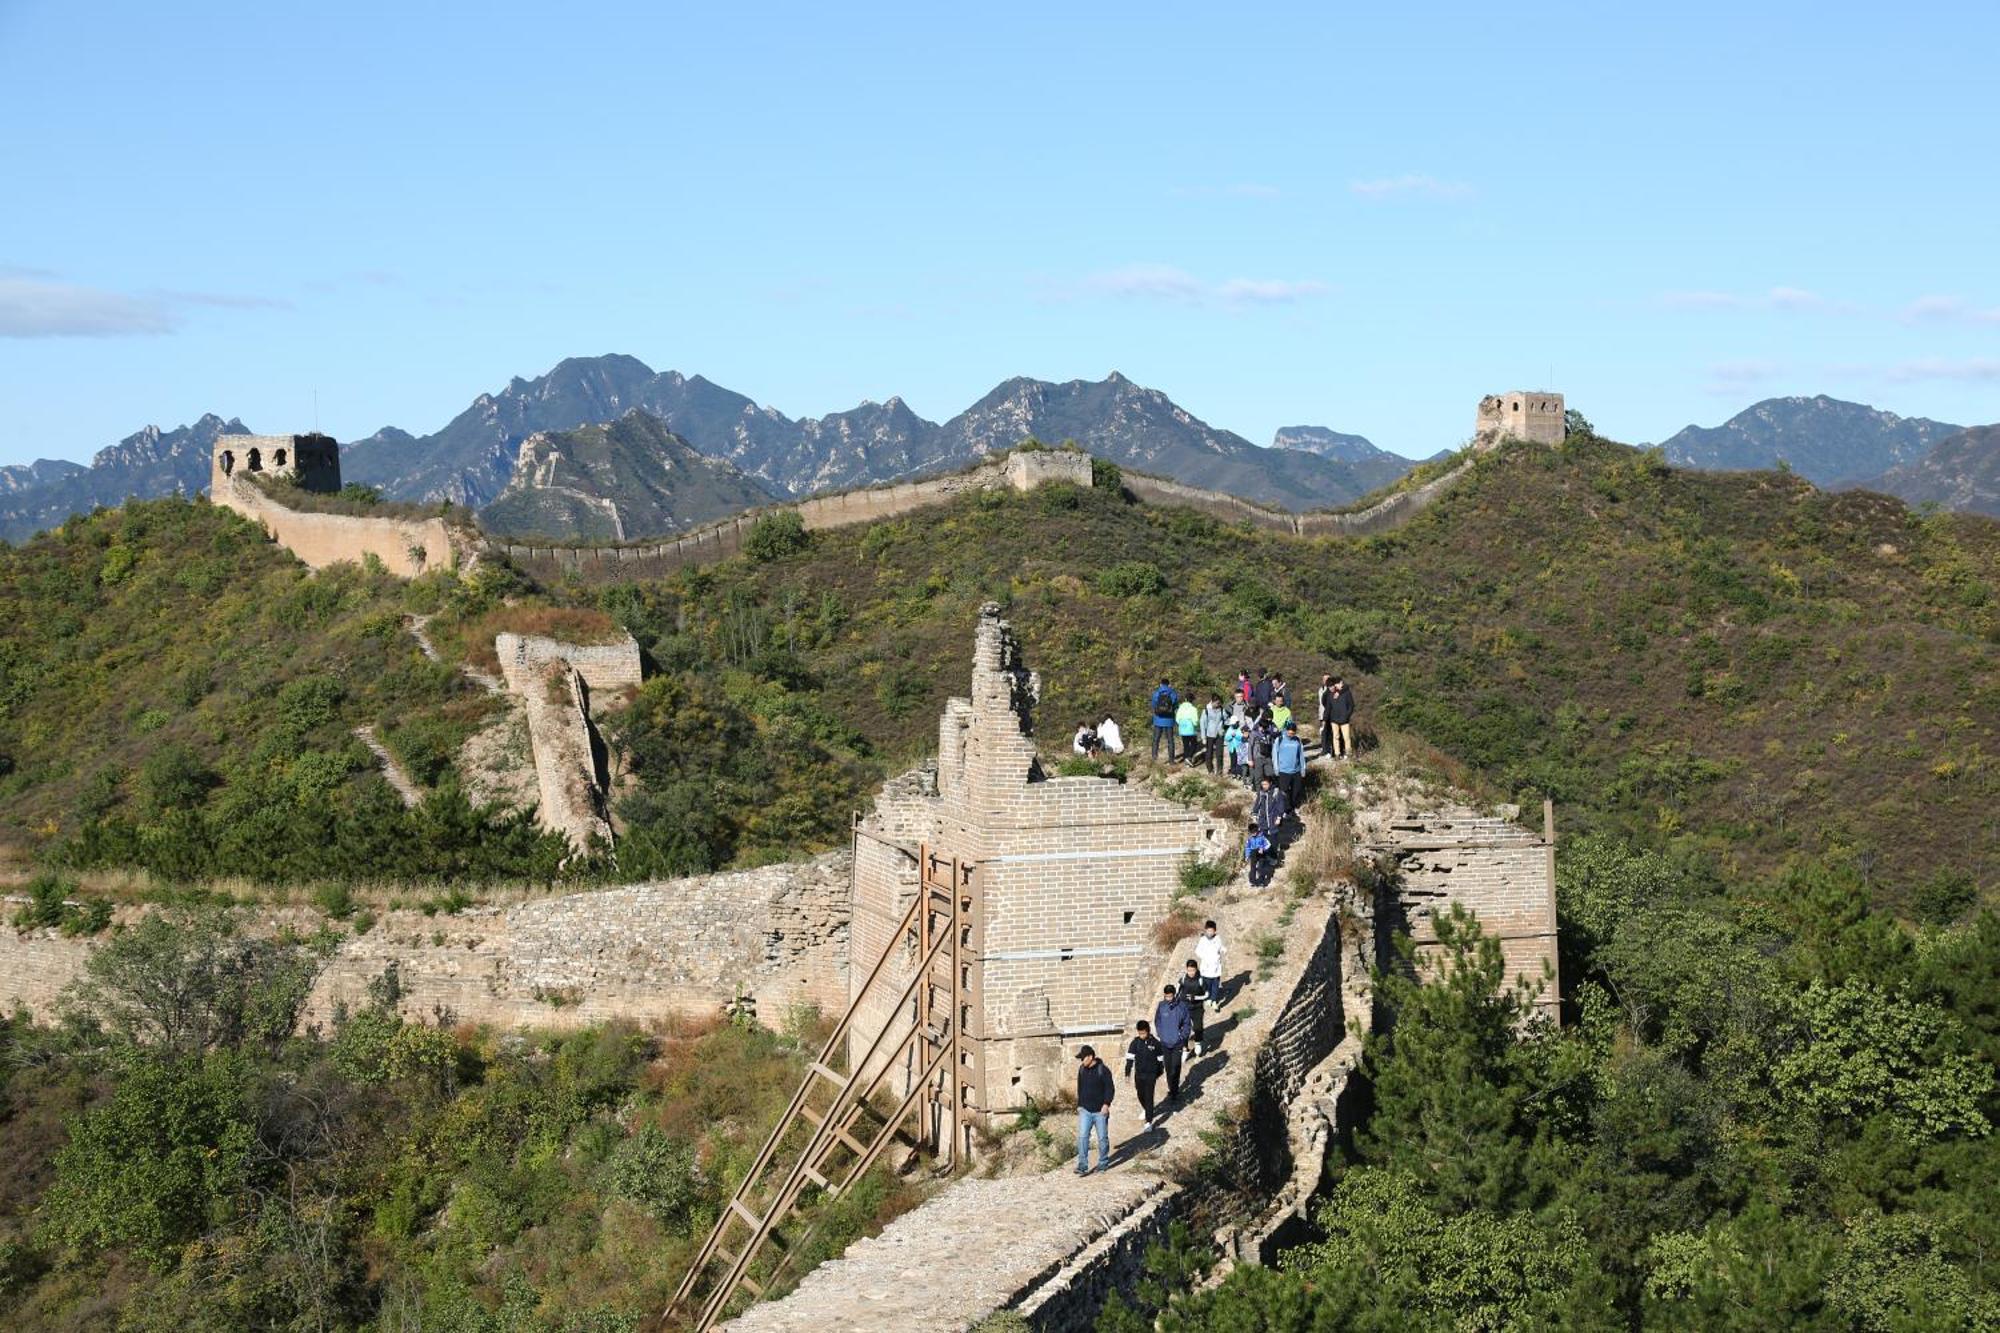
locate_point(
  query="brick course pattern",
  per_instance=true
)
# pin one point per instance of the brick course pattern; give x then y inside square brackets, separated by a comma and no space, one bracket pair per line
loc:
[1071,875]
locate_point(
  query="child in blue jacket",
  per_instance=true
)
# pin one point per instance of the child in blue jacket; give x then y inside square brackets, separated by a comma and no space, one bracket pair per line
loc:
[1257,851]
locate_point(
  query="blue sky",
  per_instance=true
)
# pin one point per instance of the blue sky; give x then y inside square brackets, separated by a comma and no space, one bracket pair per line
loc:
[1361,217]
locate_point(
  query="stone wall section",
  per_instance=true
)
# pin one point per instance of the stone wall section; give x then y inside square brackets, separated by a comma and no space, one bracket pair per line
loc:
[1521,414]
[1021,471]
[569,778]
[1499,871]
[406,547]
[607,668]
[777,934]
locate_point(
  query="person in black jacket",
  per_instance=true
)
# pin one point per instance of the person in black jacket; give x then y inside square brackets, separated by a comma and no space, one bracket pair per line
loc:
[1192,994]
[1094,1091]
[1172,1026]
[1342,717]
[1143,1063]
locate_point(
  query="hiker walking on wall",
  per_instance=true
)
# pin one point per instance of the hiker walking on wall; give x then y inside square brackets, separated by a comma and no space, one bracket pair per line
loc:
[1211,733]
[1260,693]
[1187,722]
[1144,1059]
[1269,808]
[1235,744]
[1257,852]
[1288,758]
[1165,701]
[1328,693]
[1172,1027]
[1208,951]
[1340,715]
[1192,993]
[1094,1091]
[1243,688]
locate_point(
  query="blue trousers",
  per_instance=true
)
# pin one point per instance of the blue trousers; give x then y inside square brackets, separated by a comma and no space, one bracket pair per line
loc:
[1086,1121]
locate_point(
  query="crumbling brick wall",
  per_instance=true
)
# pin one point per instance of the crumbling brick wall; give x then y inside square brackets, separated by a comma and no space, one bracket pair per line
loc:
[1071,876]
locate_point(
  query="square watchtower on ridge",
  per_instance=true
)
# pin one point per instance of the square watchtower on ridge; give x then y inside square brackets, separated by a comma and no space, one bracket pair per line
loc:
[1522,414]
[313,461]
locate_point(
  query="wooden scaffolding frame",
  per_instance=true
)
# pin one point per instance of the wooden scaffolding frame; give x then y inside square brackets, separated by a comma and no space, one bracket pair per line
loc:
[839,1123]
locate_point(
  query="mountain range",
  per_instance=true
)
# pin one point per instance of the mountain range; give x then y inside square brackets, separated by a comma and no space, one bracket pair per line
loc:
[1825,440]
[631,478]
[1961,472]
[147,463]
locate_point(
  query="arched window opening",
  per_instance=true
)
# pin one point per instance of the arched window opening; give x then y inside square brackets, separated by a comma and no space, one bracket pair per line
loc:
[256,461]
[278,458]
[228,461]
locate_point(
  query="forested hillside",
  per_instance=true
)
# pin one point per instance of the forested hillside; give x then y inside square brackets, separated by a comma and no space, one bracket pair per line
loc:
[1740,665]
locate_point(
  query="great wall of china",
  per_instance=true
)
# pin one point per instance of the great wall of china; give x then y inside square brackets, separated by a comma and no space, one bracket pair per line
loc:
[1074,874]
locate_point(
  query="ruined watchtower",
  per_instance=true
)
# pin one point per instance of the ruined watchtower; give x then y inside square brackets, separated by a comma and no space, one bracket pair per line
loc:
[1070,876]
[1524,414]
[313,461]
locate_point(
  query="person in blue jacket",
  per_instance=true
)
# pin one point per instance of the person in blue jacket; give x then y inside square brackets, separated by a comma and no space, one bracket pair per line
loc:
[1257,851]
[1288,760]
[1166,701]
[1171,1028]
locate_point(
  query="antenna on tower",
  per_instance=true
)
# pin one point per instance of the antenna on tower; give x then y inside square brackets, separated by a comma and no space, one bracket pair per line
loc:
[315,411]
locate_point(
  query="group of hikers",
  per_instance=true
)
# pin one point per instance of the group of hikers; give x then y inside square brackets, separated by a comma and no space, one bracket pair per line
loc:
[1254,738]
[1160,1046]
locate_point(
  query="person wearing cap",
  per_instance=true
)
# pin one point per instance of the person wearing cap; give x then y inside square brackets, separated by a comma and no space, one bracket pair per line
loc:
[1094,1091]
[1172,1026]
[1142,1065]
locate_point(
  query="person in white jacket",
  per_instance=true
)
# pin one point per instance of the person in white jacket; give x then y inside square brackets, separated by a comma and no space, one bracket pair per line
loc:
[1208,952]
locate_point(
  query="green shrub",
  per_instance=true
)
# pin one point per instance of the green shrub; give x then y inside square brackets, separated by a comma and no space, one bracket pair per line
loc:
[776,535]
[1199,876]
[658,1174]
[1132,578]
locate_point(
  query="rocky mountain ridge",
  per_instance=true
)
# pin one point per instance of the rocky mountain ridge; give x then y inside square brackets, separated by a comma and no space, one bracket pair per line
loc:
[629,479]
[147,463]
[1961,471]
[1825,440]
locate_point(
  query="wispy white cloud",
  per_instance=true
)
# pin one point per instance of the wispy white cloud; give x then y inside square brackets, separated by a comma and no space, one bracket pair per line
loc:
[1790,299]
[1411,187]
[1164,282]
[41,307]
[37,304]
[1977,368]
[1734,375]
[1947,310]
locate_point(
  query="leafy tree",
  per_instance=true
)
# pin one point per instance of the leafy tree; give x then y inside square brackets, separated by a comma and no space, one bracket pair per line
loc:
[660,1175]
[187,981]
[776,535]
[157,1163]
[1861,1052]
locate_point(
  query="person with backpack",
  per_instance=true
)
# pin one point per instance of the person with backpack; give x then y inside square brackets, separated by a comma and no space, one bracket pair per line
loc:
[1192,993]
[1340,713]
[1187,723]
[1144,1061]
[1264,738]
[1257,853]
[1172,1026]
[1165,701]
[1211,734]
[1288,760]
[1233,746]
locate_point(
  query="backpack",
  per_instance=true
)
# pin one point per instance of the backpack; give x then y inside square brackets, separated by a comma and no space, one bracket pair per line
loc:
[1163,702]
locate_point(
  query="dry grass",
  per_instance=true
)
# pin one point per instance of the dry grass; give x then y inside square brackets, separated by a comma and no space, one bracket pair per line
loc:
[471,641]
[1179,924]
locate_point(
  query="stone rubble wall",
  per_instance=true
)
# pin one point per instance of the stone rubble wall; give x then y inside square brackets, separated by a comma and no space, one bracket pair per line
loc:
[1500,872]
[606,668]
[777,934]
[406,547]
[572,799]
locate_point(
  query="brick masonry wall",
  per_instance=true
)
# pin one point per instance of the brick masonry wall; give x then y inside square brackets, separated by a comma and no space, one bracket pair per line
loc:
[644,951]
[606,667]
[405,547]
